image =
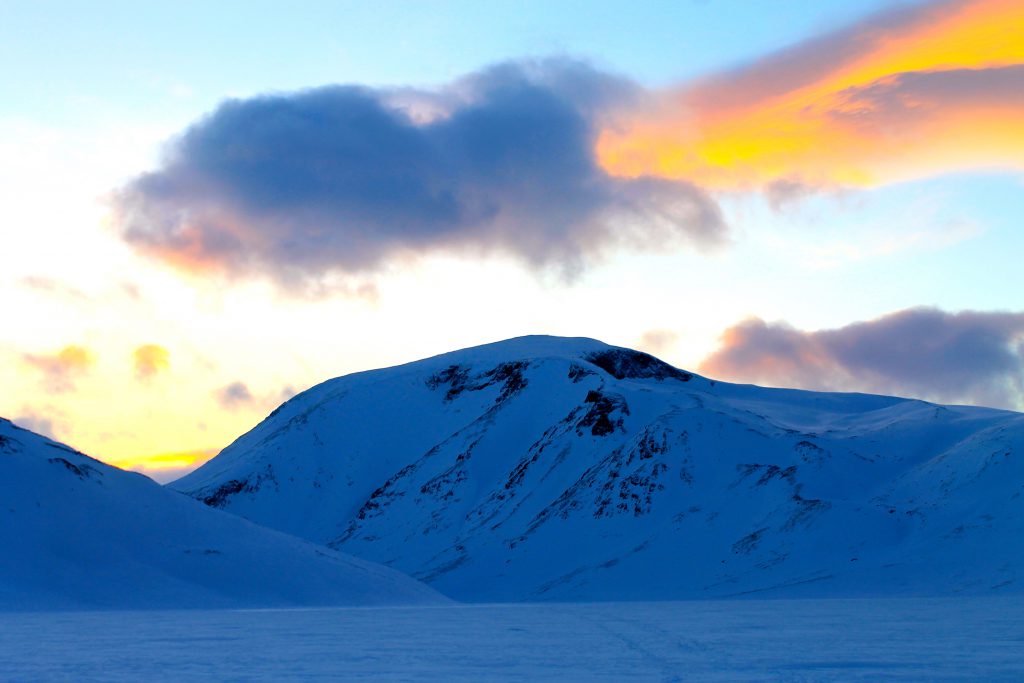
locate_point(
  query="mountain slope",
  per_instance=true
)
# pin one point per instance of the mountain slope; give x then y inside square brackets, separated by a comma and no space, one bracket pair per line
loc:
[76,533]
[545,468]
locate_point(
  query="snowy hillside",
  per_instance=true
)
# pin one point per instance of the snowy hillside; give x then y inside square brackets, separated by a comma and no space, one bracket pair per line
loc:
[561,469]
[76,533]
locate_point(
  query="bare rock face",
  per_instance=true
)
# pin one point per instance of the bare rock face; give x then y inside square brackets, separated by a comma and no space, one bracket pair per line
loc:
[546,468]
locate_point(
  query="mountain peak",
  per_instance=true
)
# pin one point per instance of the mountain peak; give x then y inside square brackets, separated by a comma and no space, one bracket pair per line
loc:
[566,468]
[619,362]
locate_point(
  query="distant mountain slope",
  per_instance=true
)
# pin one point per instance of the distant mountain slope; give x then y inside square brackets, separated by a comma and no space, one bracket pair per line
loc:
[76,533]
[560,469]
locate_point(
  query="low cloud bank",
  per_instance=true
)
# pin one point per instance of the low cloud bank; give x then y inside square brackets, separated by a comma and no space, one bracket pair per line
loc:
[966,357]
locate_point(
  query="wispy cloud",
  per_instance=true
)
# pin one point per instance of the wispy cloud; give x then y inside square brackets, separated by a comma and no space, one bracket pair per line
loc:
[898,236]
[237,395]
[60,370]
[52,287]
[970,356]
[234,395]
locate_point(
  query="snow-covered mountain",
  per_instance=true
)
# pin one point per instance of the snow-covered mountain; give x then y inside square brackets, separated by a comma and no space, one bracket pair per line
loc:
[546,468]
[76,533]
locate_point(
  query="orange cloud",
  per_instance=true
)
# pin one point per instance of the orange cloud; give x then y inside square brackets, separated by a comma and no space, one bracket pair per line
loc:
[150,359]
[905,94]
[61,369]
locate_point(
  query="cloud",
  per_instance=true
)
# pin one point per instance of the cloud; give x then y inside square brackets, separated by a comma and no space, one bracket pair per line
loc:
[658,341]
[971,356]
[783,192]
[36,423]
[61,370]
[235,395]
[51,286]
[911,92]
[348,180]
[150,360]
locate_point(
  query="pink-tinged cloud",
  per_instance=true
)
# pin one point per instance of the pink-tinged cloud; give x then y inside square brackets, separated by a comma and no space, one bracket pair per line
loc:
[60,370]
[658,341]
[911,92]
[966,357]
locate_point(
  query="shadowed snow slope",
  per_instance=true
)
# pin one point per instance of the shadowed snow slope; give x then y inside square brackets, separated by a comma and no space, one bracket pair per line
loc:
[544,468]
[76,533]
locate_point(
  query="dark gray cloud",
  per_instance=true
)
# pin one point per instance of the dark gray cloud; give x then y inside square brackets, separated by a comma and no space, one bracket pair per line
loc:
[971,356]
[347,179]
[234,395]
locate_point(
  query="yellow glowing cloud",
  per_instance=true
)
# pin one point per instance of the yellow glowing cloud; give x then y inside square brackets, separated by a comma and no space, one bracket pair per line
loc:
[903,95]
[149,360]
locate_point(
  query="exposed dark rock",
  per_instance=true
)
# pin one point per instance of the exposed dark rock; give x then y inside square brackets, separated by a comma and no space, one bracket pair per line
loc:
[219,496]
[455,377]
[458,380]
[578,372]
[83,472]
[601,417]
[9,446]
[749,542]
[767,472]
[810,452]
[628,364]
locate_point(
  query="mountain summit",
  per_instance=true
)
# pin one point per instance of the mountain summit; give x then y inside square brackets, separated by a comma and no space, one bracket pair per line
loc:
[544,468]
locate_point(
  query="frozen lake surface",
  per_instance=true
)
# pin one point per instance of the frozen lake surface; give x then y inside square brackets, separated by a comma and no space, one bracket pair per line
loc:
[946,639]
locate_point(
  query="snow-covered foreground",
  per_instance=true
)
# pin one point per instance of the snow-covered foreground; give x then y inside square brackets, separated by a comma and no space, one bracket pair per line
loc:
[938,639]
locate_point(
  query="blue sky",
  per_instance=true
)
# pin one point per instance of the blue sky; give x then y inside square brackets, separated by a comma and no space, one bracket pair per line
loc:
[145,56]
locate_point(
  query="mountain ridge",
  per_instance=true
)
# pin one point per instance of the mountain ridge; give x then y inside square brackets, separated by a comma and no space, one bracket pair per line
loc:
[544,468]
[80,534]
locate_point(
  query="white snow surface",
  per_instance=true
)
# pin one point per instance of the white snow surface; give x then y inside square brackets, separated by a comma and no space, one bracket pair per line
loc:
[78,534]
[546,468]
[869,640]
